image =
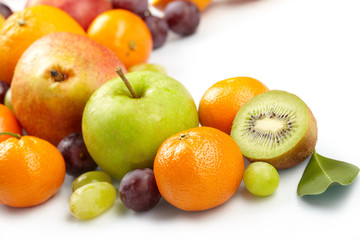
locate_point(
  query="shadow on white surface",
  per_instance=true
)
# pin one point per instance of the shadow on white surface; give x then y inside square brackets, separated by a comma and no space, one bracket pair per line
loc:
[335,196]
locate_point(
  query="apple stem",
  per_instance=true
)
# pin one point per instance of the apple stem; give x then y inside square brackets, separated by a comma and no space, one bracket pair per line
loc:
[16,135]
[58,76]
[120,72]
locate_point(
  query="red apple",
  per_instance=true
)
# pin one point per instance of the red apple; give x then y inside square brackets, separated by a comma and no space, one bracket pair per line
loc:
[83,11]
[54,79]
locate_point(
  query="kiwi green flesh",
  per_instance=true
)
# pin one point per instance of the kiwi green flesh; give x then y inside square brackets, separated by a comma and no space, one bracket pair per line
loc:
[273,126]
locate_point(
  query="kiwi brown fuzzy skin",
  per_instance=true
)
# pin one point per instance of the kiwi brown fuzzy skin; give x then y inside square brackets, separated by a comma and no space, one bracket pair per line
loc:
[301,151]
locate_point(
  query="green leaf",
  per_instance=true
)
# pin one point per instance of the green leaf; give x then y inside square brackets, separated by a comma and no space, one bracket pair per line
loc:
[322,172]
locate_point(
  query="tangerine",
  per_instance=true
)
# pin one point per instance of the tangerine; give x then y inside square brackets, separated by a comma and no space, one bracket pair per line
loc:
[221,102]
[8,122]
[201,4]
[23,28]
[2,20]
[125,33]
[198,169]
[31,171]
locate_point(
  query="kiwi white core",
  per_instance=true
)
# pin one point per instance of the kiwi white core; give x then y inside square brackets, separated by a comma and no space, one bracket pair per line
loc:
[270,124]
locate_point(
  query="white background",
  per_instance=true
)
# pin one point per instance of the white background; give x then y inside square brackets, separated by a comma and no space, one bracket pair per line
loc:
[308,47]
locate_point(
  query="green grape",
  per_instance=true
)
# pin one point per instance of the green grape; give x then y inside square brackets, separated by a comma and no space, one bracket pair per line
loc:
[147,67]
[261,179]
[91,200]
[7,100]
[90,177]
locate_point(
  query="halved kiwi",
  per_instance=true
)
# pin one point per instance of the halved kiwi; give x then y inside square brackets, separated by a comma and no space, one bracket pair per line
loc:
[275,127]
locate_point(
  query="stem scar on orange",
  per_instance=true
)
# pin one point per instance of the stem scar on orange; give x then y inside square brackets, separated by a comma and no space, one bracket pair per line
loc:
[124,33]
[8,122]
[198,169]
[31,171]
[23,28]
[221,102]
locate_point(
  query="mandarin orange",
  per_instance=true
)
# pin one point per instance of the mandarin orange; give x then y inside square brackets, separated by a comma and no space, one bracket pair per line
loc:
[2,20]
[8,122]
[31,171]
[221,102]
[125,33]
[198,169]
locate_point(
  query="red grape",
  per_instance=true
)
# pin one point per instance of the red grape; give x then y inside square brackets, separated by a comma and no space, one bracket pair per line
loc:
[76,155]
[138,190]
[183,17]
[5,10]
[139,7]
[158,28]
[4,87]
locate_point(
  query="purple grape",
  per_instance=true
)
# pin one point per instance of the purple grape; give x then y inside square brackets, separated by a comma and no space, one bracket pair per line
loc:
[4,87]
[139,7]
[159,30]
[183,17]
[138,190]
[5,10]
[76,155]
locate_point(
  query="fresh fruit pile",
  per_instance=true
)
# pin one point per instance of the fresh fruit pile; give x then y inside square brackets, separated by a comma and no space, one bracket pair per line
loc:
[84,100]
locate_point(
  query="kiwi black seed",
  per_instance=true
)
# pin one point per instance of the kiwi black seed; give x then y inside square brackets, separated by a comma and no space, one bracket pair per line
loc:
[276,127]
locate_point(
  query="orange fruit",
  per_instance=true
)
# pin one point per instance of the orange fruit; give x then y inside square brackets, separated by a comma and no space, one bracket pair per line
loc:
[198,169]
[23,28]
[221,102]
[124,33]
[201,4]
[2,20]
[8,122]
[31,171]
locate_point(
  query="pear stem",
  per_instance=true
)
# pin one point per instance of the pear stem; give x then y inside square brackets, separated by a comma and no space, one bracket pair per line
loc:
[120,72]
[18,136]
[58,76]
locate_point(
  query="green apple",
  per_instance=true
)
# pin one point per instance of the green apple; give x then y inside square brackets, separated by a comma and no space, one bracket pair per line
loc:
[147,67]
[53,80]
[123,132]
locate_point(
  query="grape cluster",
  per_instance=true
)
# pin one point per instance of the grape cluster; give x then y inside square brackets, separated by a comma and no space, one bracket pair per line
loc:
[93,193]
[181,17]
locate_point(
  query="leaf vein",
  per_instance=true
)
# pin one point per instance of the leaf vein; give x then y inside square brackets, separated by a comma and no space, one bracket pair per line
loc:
[322,169]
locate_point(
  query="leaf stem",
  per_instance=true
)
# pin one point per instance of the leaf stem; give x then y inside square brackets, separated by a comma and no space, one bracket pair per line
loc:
[16,135]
